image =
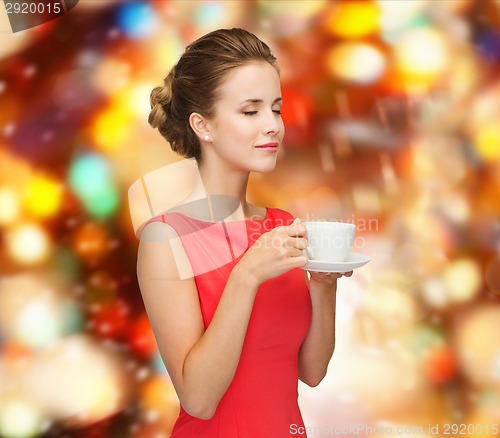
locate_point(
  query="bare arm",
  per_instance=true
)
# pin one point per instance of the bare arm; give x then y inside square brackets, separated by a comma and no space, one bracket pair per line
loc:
[318,346]
[202,363]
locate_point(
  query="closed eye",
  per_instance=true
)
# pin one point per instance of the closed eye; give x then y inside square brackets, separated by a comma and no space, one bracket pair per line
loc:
[252,113]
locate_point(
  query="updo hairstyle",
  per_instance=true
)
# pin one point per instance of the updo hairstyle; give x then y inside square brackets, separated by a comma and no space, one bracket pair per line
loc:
[192,84]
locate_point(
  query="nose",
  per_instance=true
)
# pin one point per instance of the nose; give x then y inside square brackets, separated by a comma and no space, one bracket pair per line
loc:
[272,124]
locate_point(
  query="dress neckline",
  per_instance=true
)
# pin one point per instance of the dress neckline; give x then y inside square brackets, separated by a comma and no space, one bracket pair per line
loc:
[266,216]
[263,219]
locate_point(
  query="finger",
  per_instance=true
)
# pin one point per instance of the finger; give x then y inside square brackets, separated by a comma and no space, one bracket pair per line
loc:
[330,274]
[296,229]
[298,261]
[326,275]
[295,252]
[297,242]
[347,274]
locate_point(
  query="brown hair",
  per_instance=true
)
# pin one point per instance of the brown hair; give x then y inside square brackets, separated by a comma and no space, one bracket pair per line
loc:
[192,84]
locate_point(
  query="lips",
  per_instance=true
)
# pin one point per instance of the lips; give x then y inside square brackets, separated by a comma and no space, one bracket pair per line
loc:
[267,146]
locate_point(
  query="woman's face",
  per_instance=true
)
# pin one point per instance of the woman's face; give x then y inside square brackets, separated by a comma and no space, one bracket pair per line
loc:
[247,129]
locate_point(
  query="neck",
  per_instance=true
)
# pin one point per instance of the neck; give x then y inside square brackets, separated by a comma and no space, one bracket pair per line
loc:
[227,182]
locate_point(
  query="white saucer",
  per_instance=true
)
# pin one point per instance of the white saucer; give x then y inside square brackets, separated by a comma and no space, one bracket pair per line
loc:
[354,260]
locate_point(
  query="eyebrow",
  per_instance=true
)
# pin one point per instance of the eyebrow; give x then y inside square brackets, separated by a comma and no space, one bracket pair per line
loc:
[278,99]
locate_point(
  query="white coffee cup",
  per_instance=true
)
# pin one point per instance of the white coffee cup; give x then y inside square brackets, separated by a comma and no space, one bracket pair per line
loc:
[329,241]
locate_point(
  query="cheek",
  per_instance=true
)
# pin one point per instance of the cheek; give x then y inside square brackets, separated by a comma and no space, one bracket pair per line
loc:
[235,124]
[243,128]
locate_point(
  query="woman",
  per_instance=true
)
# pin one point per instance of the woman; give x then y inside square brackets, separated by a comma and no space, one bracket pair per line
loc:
[238,333]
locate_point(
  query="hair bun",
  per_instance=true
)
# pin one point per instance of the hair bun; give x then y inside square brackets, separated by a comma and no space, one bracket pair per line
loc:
[160,101]
[157,116]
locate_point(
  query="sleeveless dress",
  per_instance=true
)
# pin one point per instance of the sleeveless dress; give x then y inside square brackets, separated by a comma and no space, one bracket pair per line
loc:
[261,401]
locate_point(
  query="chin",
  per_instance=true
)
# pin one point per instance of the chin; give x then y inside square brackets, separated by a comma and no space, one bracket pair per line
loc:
[263,167]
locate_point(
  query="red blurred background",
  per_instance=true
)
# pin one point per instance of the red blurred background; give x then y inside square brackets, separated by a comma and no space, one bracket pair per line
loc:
[392,114]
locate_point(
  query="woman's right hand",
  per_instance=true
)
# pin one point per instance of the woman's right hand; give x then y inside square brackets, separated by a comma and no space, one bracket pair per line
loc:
[276,252]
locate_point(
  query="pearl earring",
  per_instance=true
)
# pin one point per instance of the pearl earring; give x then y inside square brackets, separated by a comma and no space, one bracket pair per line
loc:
[206,138]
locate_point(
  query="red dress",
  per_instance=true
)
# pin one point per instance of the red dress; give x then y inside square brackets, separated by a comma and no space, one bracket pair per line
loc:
[261,401]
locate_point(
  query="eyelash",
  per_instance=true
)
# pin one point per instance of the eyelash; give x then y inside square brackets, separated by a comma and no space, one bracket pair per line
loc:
[252,113]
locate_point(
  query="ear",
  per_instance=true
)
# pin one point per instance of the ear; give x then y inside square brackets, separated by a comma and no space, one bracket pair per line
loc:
[200,126]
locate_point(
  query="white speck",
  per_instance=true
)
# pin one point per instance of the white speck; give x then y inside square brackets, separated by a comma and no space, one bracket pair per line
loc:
[152,415]
[110,344]
[45,426]
[375,352]
[113,33]
[29,71]
[81,415]
[142,373]
[87,59]
[326,156]
[8,129]
[467,354]
[79,290]
[47,136]
[265,23]
[95,307]
[73,352]
[346,397]
[123,309]
[61,116]
[393,344]
[72,222]
[105,328]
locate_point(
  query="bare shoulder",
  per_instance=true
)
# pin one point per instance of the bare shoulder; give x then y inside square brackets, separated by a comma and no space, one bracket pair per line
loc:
[257,212]
[161,250]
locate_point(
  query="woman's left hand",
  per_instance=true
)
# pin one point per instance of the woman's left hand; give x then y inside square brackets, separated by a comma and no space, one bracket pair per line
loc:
[327,278]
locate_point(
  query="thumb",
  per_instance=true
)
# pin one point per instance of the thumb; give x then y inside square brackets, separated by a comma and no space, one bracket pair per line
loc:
[296,228]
